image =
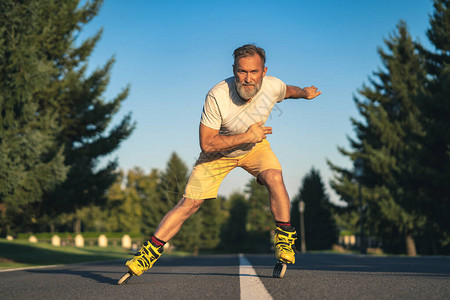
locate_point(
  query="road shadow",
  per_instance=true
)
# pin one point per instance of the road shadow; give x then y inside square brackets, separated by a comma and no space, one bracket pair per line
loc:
[110,272]
[92,271]
[420,266]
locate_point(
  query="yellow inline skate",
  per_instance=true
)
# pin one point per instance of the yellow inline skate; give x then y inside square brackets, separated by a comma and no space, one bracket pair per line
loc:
[284,250]
[142,261]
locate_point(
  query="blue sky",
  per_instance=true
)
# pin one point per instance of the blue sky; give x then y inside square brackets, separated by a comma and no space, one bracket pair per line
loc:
[173,52]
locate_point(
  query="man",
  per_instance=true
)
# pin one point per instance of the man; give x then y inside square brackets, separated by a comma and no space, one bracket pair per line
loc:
[232,134]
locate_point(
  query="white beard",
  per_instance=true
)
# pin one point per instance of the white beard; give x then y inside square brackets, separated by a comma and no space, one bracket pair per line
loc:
[247,92]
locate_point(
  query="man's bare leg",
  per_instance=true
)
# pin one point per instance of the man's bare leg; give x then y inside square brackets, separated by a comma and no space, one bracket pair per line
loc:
[172,221]
[167,228]
[278,196]
[285,235]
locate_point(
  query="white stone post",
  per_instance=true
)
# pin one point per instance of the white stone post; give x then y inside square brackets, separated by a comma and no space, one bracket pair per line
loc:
[126,242]
[56,241]
[352,240]
[79,241]
[103,241]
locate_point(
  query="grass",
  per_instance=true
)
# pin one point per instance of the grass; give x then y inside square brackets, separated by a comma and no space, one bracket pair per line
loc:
[17,254]
[21,253]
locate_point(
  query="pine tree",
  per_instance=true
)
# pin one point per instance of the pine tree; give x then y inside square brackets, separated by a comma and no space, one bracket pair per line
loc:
[212,218]
[388,146]
[31,162]
[434,160]
[259,214]
[320,227]
[234,235]
[153,209]
[173,182]
[260,220]
[82,112]
[171,189]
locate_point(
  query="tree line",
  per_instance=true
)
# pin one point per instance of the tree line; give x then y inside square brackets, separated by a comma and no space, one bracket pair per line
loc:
[242,222]
[402,140]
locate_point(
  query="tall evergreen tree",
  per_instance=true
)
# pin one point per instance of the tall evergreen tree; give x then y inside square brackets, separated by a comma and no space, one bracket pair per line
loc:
[260,221]
[434,160]
[82,112]
[387,143]
[259,214]
[153,209]
[233,236]
[320,227]
[173,181]
[31,161]
[212,218]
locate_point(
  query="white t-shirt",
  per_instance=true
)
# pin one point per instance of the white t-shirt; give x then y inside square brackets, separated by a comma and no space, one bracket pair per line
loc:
[226,111]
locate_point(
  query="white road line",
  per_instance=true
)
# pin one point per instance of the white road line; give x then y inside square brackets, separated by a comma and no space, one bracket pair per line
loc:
[251,285]
[28,268]
[60,265]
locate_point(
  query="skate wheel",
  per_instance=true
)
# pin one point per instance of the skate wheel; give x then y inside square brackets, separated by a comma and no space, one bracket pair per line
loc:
[125,278]
[279,270]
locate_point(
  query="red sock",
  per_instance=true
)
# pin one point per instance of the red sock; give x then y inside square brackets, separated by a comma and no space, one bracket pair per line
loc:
[157,242]
[280,224]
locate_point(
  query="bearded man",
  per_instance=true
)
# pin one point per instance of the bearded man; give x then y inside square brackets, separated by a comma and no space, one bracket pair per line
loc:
[232,134]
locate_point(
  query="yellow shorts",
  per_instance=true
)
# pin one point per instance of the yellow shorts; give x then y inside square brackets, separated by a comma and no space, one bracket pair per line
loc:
[210,170]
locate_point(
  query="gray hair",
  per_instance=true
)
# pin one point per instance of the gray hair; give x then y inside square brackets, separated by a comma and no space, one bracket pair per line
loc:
[249,50]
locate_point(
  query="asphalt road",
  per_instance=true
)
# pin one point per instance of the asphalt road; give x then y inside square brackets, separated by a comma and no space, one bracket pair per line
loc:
[314,276]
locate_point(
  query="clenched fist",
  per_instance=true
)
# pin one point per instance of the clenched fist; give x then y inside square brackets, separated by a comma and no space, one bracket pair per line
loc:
[256,132]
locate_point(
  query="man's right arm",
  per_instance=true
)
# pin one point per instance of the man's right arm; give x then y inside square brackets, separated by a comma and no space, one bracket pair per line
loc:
[295,92]
[212,141]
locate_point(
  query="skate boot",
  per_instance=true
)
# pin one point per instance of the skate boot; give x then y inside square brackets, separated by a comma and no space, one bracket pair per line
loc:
[284,250]
[144,259]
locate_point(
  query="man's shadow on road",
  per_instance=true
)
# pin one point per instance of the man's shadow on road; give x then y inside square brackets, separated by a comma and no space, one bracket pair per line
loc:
[98,271]
[84,270]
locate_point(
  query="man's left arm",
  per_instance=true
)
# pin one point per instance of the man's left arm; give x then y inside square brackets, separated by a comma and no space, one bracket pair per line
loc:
[295,92]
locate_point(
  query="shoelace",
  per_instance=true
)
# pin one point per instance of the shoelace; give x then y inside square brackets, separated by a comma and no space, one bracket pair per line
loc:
[286,244]
[142,260]
[286,241]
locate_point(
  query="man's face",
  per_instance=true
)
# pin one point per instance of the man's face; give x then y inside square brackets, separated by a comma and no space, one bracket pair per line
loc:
[248,73]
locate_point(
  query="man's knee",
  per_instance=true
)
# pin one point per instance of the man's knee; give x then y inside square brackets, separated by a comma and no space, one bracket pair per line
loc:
[191,205]
[271,177]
